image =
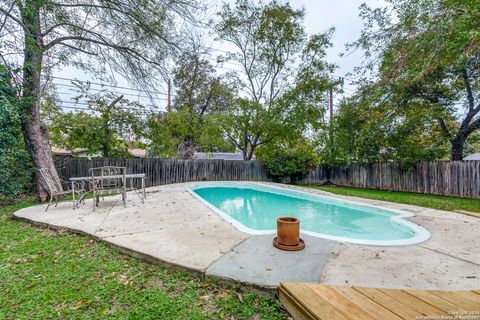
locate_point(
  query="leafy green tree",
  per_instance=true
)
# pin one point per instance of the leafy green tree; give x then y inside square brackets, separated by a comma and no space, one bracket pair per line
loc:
[368,130]
[163,142]
[190,127]
[248,125]
[168,132]
[200,91]
[15,173]
[198,87]
[132,38]
[109,123]
[427,53]
[473,144]
[267,38]
[270,40]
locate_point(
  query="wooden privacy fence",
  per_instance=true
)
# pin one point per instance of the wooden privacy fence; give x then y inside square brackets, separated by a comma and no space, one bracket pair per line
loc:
[450,178]
[165,171]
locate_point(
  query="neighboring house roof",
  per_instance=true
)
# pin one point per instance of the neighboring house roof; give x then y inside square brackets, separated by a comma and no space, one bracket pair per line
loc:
[139,153]
[65,152]
[218,155]
[475,156]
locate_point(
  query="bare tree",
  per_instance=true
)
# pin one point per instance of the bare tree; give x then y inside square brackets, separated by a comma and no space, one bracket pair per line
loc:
[128,37]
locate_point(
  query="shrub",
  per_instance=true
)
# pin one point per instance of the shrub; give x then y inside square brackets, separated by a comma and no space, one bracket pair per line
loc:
[290,164]
[15,173]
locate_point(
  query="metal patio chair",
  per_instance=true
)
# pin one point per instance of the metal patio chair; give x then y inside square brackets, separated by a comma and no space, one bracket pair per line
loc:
[108,179]
[55,190]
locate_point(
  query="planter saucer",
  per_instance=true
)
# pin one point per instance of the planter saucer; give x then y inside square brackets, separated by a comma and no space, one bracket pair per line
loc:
[299,246]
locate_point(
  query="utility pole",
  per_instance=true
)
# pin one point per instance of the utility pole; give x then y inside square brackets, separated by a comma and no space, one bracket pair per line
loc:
[169,106]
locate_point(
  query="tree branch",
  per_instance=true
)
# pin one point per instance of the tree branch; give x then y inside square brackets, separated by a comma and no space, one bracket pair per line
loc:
[116,47]
[11,16]
[131,15]
[443,126]
[78,49]
[475,125]
[5,20]
[89,31]
[234,141]
[470,99]
[263,142]
[54,27]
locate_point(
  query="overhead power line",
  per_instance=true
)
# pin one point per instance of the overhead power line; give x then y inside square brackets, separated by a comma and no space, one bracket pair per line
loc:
[150,108]
[86,109]
[108,85]
[219,50]
[120,93]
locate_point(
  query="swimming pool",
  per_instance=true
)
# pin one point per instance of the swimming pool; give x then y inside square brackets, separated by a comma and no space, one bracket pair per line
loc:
[254,207]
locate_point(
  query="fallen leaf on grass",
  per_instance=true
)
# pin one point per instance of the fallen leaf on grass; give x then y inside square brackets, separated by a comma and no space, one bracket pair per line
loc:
[222,295]
[78,304]
[104,311]
[240,297]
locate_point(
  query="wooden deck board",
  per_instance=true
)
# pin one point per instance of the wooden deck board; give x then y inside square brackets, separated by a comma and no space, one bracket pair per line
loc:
[341,303]
[438,302]
[460,298]
[370,306]
[414,303]
[297,310]
[397,307]
[316,306]
[317,301]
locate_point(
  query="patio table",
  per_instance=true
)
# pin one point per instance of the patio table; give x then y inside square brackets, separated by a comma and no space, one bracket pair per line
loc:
[130,176]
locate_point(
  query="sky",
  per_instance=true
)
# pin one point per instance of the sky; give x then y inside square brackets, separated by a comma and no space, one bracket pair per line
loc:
[320,16]
[341,14]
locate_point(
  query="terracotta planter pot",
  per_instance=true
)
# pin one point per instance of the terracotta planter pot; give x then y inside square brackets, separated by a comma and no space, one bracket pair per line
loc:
[288,231]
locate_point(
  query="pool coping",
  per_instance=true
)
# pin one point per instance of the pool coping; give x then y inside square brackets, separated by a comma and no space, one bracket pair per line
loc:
[421,234]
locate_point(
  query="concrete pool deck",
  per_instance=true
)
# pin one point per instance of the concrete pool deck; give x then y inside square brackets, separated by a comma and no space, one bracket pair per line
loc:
[175,228]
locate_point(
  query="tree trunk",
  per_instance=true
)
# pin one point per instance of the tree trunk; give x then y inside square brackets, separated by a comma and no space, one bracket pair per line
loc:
[250,153]
[457,148]
[34,132]
[253,145]
[245,153]
[469,124]
[186,149]
[245,147]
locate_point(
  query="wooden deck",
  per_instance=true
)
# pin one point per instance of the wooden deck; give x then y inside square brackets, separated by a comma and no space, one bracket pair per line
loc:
[316,301]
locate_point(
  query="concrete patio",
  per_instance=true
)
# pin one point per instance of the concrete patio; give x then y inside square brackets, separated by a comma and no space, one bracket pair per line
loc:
[174,228]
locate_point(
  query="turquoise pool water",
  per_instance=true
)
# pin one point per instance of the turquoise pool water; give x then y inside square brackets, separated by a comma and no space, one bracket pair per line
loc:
[257,208]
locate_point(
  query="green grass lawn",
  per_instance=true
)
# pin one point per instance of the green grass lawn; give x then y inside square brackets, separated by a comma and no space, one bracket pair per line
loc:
[423,200]
[53,274]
